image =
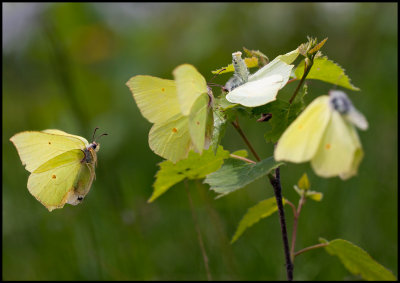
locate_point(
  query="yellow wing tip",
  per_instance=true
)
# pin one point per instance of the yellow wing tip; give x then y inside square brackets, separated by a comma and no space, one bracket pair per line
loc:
[183,66]
[129,82]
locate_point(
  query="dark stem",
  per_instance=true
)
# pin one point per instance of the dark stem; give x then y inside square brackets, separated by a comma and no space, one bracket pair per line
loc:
[307,69]
[276,184]
[199,237]
[237,127]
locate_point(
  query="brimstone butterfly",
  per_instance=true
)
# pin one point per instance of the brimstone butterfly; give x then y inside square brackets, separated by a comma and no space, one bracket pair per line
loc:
[178,108]
[324,133]
[261,87]
[62,166]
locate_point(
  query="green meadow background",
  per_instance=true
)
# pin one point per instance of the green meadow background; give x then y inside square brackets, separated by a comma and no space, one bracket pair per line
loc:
[65,67]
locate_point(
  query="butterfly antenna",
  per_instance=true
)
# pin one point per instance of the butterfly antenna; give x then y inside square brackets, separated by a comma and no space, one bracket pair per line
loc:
[212,84]
[94,133]
[217,74]
[218,85]
[101,136]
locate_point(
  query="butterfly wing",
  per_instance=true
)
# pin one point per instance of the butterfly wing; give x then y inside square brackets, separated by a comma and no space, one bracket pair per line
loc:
[338,147]
[197,122]
[171,139]
[35,148]
[168,104]
[54,181]
[357,118]
[190,84]
[256,93]
[156,98]
[276,67]
[82,185]
[62,133]
[302,138]
[343,104]
[358,156]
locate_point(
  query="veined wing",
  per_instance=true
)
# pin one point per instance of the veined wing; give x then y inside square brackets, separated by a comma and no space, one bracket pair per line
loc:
[302,138]
[256,93]
[36,148]
[156,98]
[52,182]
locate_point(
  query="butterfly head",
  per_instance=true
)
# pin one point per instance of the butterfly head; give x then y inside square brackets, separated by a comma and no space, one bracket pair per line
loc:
[339,101]
[95,145]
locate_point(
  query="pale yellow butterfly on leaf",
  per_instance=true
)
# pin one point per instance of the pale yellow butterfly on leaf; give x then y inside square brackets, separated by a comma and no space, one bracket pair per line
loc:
[324,133]
[62,165]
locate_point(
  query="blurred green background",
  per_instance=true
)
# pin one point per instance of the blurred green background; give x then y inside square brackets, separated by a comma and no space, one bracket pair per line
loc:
[65,66]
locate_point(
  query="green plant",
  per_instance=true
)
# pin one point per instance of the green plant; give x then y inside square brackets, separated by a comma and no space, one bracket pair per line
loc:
[255,96]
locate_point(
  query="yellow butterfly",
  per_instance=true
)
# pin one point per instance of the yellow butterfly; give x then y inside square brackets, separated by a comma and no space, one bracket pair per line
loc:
[62,165]
[324,133]
[179,109]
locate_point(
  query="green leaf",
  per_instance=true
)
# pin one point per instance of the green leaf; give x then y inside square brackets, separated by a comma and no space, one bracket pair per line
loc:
[250,63]
[298,191]
[224,104]
[358,261]
[317,196]
[327,71]
[317,46]
[283,114]
[196,166]
[261,210]
[279,120]
[236,174]
[311,46]
[304,183]
[241,152]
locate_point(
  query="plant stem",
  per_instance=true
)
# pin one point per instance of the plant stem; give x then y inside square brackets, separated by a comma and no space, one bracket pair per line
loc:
[307,69]
[276,184]
[237,127]
[292,205]
[296,216]
[311,248]
[242,158]
[199,237]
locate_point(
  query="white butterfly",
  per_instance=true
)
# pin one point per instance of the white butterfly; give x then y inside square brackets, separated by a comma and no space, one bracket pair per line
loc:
[262,86]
